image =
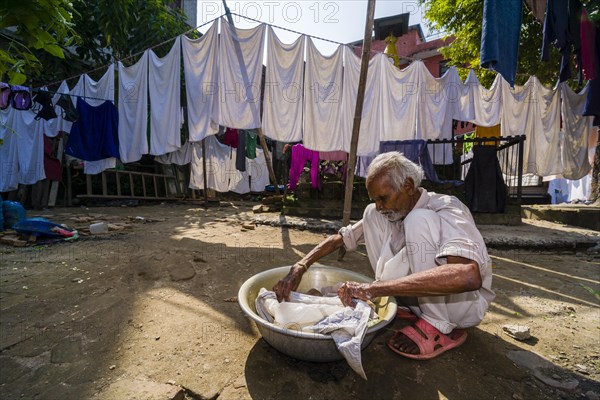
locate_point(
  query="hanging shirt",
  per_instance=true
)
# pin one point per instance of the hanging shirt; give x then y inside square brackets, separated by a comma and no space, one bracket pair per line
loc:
[94,135]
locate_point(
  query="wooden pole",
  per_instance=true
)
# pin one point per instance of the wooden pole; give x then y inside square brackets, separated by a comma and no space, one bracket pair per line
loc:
[360,97]
[263,143]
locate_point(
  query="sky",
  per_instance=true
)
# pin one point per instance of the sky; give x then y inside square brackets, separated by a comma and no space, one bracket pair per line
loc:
[340,21]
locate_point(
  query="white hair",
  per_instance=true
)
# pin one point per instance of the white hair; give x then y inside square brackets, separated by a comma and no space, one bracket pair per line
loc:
[396,167]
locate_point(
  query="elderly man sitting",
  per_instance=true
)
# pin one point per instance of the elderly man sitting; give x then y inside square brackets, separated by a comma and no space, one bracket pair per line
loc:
[424,249]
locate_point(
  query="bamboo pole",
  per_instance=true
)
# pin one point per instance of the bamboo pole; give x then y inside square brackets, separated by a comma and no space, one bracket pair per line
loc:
[263,143]
[360,97]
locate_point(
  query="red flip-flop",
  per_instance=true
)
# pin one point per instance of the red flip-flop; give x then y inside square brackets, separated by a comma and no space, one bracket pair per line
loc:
[431,342]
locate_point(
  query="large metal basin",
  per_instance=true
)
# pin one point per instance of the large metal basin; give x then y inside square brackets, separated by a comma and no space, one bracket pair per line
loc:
[304,345]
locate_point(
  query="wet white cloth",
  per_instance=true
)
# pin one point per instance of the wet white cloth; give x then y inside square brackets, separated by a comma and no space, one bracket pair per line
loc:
[238,104]
[284,88]
[438,226]
[327,315]
[133,110]
[164,85]
[200,59]
[22,150]
[322,99]
[254,178]
[96,93]
[371,121]
[576,128]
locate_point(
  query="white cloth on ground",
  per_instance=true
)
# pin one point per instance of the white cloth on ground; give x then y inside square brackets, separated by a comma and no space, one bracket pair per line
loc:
[133,110]
[238,104]
[164,83]
[438,226]
[95,93]
[284,88]
[322,99]
[200,60]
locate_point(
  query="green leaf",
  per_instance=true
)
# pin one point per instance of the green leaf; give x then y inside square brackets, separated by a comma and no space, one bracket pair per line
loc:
[55,50]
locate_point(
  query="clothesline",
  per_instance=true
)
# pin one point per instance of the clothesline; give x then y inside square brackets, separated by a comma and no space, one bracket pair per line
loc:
[206,23]
[128,57]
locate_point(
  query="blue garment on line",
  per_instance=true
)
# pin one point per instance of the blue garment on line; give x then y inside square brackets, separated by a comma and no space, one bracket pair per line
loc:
[95,135]
[416,151]
[500,37]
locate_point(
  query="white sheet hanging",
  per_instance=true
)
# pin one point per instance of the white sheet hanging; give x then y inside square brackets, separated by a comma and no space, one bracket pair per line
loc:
[399,101]
[576,128]
[218,165]
[181,156]
[96,93]
[479,105]
[200,60]
[439,100]
[256,168]
[284,89]
[238,104]
[22,150]
[322,100]
[133,110]
[165,104]
[533,110]
[371,122]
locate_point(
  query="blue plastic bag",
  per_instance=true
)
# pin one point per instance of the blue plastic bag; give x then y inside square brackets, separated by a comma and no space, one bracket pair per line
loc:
[13,212]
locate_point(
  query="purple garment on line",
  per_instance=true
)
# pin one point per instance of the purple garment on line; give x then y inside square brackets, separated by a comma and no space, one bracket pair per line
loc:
[300,155]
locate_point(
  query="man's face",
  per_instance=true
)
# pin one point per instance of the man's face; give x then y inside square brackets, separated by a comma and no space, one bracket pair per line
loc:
[392,204]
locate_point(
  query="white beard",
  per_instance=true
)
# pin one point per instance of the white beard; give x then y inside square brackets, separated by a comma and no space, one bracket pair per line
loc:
[393,216]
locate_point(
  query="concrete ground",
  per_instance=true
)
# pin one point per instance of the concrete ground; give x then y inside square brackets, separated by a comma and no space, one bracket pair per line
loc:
[149,311]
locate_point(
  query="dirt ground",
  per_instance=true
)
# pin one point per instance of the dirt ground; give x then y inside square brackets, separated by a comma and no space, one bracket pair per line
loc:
[149,311]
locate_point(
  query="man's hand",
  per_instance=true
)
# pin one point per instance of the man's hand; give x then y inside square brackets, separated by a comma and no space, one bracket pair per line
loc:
[354,290]
[290,282]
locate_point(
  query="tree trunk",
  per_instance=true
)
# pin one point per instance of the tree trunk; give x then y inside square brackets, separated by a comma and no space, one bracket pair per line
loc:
[595,192]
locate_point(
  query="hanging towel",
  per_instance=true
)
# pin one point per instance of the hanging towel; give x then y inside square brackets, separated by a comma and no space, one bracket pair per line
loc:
[371,123]
[257,172]
[284,89]
[500,36]
[576,128]
[94,136]
[479,105]
[165,108]
[590,54]
[322,99]
[133,110]
[251,143]
[238,104]
[300,155]
[22,150]
[200,60]
[240,158]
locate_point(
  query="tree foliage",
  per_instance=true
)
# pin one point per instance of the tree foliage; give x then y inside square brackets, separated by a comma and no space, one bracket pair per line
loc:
[95,34]
[463,20]
[31,27]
